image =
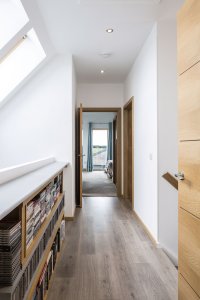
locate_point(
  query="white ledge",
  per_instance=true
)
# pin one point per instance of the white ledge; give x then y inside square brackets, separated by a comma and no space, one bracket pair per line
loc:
[14,192]
[16,171]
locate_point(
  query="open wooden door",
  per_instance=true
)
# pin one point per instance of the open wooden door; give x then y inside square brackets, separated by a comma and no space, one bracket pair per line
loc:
[79,157]
[189,150]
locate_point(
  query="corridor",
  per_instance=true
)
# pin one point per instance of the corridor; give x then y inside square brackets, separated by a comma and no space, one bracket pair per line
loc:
[108,256]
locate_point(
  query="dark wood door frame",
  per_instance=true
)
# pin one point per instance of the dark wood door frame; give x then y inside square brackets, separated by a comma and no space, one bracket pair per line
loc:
[119,138]
[79,157]
[115,150]
[128,150]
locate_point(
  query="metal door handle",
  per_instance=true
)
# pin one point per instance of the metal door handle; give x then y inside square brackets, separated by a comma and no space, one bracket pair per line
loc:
[79,155]
[180,176]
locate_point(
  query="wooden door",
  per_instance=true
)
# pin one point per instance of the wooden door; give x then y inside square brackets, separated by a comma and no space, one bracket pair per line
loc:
[79,157]
[185,290]
[128,152]
[189,106]
[189,150]
[115,151]
[188,35]
[189,249]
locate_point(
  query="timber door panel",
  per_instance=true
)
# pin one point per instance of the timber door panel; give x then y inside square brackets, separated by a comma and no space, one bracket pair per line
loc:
[188,35]
[189,249]
[189,104]
[189,149]
[185,290]
[189,188]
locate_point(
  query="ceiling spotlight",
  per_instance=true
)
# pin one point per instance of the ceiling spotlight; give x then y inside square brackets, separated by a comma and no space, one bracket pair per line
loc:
[102,71]
[109,30]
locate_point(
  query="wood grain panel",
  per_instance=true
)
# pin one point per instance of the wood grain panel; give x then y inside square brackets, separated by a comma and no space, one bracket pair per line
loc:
[189,104]
[189,164]
[189,249]
[188,35]
[185,291]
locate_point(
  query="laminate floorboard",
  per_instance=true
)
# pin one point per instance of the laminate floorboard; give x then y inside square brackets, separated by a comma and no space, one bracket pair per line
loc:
[107,255]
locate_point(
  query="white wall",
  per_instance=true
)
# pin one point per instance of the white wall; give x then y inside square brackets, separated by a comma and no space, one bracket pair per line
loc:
[142,84]
[153,83]
[167,135]
[74,96]
[38,120]
[100,95]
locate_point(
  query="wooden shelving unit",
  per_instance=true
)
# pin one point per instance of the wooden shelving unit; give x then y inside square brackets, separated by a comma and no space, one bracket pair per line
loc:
[34,282]
[52,221]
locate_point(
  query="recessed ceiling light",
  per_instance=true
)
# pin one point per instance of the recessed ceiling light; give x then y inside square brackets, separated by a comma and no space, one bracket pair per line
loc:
[102,71]
[109,30]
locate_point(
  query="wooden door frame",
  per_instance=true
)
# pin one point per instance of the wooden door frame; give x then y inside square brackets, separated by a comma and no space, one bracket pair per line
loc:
[118,110]
[114,151]
[78,157]
[129,105]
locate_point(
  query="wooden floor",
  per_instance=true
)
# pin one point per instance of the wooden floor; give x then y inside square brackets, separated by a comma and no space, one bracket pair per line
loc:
[108,256]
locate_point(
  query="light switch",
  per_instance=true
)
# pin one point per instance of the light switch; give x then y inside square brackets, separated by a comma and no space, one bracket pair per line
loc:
[150,156]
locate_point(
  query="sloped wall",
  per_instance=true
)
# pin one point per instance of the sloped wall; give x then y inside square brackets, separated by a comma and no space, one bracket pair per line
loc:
[38,121]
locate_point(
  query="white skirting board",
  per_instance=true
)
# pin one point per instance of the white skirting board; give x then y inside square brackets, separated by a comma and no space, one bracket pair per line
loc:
[16,171]
[171,256]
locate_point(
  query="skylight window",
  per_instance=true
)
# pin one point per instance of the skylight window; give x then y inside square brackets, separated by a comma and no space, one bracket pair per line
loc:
[13,18]
[20,48]
[19,62]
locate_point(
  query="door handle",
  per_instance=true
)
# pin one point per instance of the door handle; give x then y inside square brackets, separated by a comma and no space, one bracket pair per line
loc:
[180,176]
[79,155]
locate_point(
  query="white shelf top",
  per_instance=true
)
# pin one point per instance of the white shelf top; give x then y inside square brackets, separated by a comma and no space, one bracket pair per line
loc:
[13,193]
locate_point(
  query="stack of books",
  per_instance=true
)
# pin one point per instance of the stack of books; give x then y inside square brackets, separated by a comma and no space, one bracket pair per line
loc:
[42,284]
[37,215]
[10,252]
[57,186]
[49,201]
[39,208]
[29,224]
[43,206]
[21,288]
[45,277]
[56,247]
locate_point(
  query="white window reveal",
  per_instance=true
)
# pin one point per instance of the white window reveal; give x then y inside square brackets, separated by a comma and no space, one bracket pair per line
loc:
[12,19]
[19,62]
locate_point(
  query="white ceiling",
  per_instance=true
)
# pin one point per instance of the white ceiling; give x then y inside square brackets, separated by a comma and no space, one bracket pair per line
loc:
[78,26]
